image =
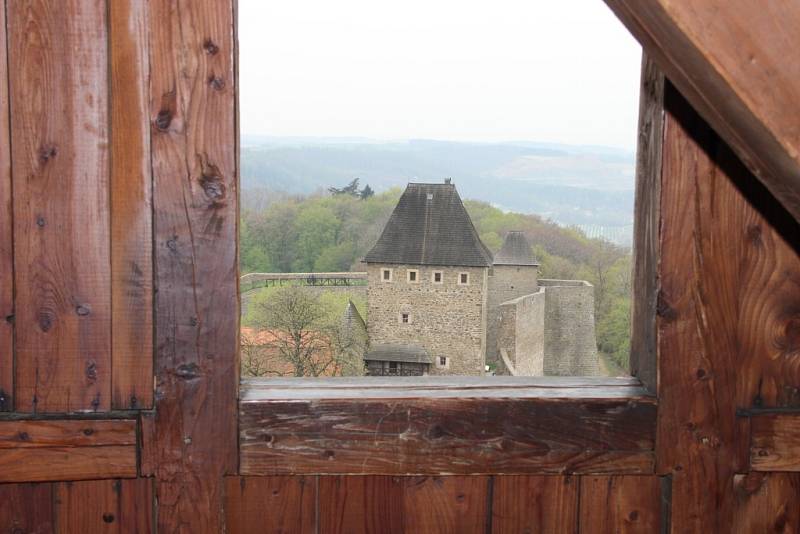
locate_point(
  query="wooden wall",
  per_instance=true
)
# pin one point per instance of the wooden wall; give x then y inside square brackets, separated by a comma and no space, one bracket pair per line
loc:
[118,303]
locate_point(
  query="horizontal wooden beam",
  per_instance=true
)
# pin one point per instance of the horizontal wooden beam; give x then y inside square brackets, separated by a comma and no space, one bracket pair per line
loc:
[775,442]
[522,387]
[491,431]
[731,59]
[38,451]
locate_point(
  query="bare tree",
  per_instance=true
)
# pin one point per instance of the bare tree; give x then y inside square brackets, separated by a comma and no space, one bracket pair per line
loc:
[254,357]
[305,336]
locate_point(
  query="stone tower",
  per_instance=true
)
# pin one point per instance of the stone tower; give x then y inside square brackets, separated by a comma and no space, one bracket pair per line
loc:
[428,284]
[514,273]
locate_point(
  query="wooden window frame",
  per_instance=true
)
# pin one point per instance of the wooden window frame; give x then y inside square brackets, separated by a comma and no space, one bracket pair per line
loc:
[441,277]
[391,275]
[479,425]
[416,276]
[460,275]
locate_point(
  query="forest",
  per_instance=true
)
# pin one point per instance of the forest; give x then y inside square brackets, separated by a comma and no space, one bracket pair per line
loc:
[332,230]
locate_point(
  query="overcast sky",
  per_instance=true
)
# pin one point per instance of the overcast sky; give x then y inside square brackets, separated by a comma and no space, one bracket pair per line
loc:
[538,70]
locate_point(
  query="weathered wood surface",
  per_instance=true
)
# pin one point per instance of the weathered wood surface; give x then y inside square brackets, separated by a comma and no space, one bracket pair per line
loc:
[195,205]
[620,504]
[727,310]
[447,436]
[541,504]
[766,502]
[256,505]
[258,390]
[69,433]
[32,464]
[131,208]
[114,506]
[59,126]
[33,451]
[775,442]
[647,216]
[729,58]
[27,508]
[6,235]
[380,504]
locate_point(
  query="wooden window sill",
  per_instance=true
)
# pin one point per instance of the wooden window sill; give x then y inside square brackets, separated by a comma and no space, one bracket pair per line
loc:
[446,425]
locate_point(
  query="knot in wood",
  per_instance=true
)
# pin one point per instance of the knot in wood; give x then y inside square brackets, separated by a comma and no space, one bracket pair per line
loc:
[210,47]
[83,310]
[163,120]
[91,371]
[216,83]
[40,221]
[47,152]
[187,371]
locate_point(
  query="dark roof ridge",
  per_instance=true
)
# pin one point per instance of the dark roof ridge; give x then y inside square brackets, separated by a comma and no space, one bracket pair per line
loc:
[430,226]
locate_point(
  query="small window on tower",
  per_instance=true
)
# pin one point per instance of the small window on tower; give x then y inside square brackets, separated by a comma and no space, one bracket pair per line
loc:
[463,279]
[386,275]
[404,318]
[437,277]
[413,275]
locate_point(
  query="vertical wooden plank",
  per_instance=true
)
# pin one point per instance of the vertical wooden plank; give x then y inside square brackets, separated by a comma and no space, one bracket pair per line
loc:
[446,504]
[26,508]
[369,504]
[285,504]
[113,506]
[195,201]
[59,125]
[383,504]
[6,233]
[541,504]
[645,221]
[620,504]
[767,502]
[727,313]
[131,206]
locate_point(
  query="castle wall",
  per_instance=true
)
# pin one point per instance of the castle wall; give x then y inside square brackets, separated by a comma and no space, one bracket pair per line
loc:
[447,319]
[507,282]
[520,335]
[570,347]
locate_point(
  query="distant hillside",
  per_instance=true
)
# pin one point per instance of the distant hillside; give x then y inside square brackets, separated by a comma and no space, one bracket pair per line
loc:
[572,185]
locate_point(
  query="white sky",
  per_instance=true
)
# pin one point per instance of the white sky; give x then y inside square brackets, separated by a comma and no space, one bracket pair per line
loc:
[538,70]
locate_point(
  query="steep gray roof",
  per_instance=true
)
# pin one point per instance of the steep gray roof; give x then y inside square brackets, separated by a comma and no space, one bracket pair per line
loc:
[395,352]
[351,319]
[429,226]
[515,251]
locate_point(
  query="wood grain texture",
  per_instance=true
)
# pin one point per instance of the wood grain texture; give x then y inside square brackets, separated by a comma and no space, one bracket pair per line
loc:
[646,220]
[6,234]
[447,436]
[775,442]
[620,504]
[113,506]
[59,123]
[193,150]
[43,464]
[541,504]
[766,502]
[281,504]
[728,57]
[727,315]
[27,434]
[27,508]
[380,504]
[131,206]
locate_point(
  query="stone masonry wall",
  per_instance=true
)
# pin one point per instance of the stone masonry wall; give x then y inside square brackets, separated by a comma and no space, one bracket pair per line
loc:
[570,347]
[447,319]
[521,335]
[506,282]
